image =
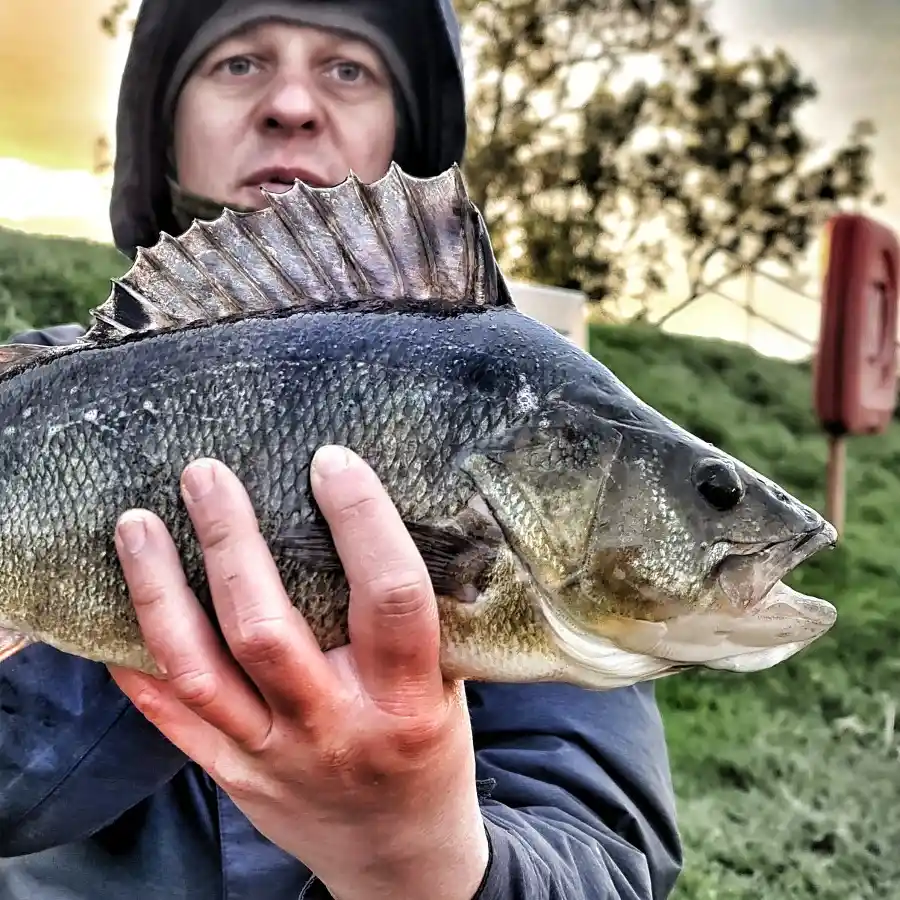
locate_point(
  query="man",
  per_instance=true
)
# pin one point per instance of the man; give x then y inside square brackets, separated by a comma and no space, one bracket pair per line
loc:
[268,769]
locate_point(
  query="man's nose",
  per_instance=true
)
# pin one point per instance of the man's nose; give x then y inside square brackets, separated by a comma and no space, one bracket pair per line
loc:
[291,104]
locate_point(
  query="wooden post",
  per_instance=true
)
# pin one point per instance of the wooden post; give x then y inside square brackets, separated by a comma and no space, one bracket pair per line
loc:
[835,497]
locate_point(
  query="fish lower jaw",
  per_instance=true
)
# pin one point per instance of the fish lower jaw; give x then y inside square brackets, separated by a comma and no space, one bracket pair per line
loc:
[637,650]
[724,639]
[758,661]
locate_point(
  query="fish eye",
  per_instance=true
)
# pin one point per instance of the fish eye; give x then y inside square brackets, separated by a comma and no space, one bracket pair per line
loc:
[718,482]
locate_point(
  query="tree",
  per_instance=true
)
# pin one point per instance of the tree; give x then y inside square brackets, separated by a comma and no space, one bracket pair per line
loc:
[614,148]
[114,19]
[554,160]
[748,186]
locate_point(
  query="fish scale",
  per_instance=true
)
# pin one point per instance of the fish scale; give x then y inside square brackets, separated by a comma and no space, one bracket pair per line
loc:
[146,431]
[571,531]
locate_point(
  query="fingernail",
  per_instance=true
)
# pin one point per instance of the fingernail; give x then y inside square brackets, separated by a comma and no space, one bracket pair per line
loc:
[330,460]
[198,479]
[132,531]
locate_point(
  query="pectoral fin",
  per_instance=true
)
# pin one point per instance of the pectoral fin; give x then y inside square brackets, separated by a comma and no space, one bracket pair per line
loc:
[11,642]
[457,555]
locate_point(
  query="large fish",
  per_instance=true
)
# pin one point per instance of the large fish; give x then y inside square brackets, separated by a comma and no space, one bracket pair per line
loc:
[572,532]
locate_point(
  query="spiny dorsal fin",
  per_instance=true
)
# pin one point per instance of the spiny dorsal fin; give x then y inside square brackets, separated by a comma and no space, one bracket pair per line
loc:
[401,241]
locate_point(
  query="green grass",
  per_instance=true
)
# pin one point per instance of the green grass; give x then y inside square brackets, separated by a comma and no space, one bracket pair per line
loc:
[47,280]
[788,781]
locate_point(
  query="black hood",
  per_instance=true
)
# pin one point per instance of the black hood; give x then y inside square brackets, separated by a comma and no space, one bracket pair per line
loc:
[140,209]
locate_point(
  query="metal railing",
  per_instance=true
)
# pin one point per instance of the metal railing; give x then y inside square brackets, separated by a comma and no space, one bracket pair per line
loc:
[807,337]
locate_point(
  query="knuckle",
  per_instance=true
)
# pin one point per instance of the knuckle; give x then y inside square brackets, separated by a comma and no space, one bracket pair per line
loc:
[146,590]
[149,704]
[216,533]
[195,688]
[260,742]
[339,758]
[416,736]
[362,508]
[260,641]
[239,783]
[400,594]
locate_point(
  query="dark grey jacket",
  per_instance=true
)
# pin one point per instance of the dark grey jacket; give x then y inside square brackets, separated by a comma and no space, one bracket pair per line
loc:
[96,805]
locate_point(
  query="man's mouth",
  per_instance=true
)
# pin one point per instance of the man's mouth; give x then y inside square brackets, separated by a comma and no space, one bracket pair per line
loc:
[278,179]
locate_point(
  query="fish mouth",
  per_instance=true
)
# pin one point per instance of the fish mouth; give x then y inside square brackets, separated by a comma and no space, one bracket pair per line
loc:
[787,622]
[762,621]
[747,574]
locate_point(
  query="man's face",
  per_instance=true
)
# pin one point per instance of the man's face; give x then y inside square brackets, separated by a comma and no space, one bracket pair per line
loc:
[278,102]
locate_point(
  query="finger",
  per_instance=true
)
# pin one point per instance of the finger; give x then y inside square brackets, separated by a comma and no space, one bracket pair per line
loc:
[160,705]
[266,634]
[393,615]
[180,636]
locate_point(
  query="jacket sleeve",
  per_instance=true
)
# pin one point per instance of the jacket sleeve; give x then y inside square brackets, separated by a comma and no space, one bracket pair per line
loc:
[54,336]
[581,804]
[74,752]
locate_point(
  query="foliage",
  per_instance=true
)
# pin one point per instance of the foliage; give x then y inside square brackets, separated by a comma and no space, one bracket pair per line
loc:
[536,133]
[786,780]
[51,280]
[616,148]
[741,168]
[114,18]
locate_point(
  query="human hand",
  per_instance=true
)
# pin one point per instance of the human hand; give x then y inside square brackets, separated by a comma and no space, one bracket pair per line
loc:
[359,761]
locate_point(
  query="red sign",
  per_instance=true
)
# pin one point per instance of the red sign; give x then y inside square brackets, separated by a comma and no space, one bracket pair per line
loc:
[856,364]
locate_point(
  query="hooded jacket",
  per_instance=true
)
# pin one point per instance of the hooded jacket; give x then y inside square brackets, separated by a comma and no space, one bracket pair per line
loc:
[141,202]
[95,804]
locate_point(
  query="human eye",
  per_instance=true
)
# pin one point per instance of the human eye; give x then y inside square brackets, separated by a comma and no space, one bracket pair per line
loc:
[349,72]
[237,66]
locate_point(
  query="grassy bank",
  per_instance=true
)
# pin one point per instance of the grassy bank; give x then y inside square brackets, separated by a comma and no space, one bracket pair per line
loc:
[787,781]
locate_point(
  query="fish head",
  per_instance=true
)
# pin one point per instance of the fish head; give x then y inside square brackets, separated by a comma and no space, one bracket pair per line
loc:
[683,524]
[636,533]
[689,552]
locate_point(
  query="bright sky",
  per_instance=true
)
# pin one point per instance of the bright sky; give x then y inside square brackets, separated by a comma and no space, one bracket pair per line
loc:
[64,71]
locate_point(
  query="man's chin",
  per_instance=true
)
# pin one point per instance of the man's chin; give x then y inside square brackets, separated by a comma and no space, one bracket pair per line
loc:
[253,199]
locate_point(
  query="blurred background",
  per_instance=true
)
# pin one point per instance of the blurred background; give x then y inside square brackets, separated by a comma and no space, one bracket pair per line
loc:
[671,166]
